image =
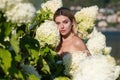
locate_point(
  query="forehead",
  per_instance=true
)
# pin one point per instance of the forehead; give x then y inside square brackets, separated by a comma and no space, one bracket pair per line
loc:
[61,18]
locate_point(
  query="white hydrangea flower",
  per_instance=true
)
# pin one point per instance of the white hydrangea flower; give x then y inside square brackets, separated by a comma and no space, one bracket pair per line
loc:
[8,4]
[111,59]
[52,5]
[72,61]
[93,33]
[107,50]
[2,4]
[21,13]
[85,20]
[96,43]
[97,67]
[48,33]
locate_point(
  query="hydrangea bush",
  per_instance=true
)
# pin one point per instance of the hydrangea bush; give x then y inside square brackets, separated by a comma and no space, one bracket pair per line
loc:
[28,37]
[22,56]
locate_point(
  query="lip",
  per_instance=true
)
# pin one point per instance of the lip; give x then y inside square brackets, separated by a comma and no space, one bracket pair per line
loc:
[62,31]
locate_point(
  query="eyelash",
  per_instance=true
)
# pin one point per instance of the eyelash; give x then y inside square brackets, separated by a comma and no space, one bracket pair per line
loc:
[63,22]
[57,23]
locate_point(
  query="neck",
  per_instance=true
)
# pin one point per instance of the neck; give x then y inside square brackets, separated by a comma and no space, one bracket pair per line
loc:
[67,37]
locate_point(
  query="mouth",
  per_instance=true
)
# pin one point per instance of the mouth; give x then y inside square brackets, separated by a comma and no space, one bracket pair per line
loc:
[62,31]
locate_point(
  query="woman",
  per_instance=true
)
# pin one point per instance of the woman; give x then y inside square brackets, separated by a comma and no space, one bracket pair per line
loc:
[70,42]
[77,64]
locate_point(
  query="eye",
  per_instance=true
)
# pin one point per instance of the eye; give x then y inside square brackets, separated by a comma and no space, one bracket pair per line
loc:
[65,21]
[57,23]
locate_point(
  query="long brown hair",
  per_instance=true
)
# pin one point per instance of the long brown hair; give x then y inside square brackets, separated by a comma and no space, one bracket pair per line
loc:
[68,13]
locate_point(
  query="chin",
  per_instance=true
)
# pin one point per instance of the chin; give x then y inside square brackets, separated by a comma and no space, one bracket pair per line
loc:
[63,34]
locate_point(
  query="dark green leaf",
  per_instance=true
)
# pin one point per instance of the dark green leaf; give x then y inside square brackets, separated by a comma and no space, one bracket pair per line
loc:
[30,48]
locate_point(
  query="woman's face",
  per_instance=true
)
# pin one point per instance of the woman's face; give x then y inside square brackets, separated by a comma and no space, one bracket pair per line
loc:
[64,25]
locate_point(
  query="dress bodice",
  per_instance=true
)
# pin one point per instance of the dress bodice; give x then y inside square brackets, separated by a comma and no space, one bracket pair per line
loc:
[86,52]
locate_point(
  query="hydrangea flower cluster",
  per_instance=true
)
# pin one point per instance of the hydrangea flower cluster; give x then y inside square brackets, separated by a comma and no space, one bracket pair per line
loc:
[8,4]
[95,67]
[52,5]
[19,11]
[85,20]
[96,42]
[72,61]
[48,34]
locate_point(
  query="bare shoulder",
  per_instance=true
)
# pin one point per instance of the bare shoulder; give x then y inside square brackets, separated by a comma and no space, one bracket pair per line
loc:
[79,44]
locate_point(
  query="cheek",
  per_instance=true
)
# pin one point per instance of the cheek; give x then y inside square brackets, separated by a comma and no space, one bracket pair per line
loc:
[59,27]
[68,26]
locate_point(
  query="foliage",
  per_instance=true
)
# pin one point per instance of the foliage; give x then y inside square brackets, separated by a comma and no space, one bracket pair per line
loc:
[21,57]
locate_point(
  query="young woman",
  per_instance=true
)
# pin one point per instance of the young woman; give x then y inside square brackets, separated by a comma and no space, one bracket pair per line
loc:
[70,42]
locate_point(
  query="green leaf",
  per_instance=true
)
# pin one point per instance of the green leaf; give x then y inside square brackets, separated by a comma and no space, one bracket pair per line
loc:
[45,68]
[18,58]
[51,60]
[30,47]
[8,28]
[20,33]
[32,77]
[34,55]
[42,15]
[0,14]
[33,51]
[19,75]
[5,60]
[15,43]
[53,52]
[59,69]
[1,45]
[44,51]
[62,78]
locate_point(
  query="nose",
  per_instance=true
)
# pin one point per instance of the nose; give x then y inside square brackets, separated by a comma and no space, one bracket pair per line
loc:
[61,26]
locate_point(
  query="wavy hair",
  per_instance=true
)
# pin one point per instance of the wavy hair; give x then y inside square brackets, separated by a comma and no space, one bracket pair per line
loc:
[68,13]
